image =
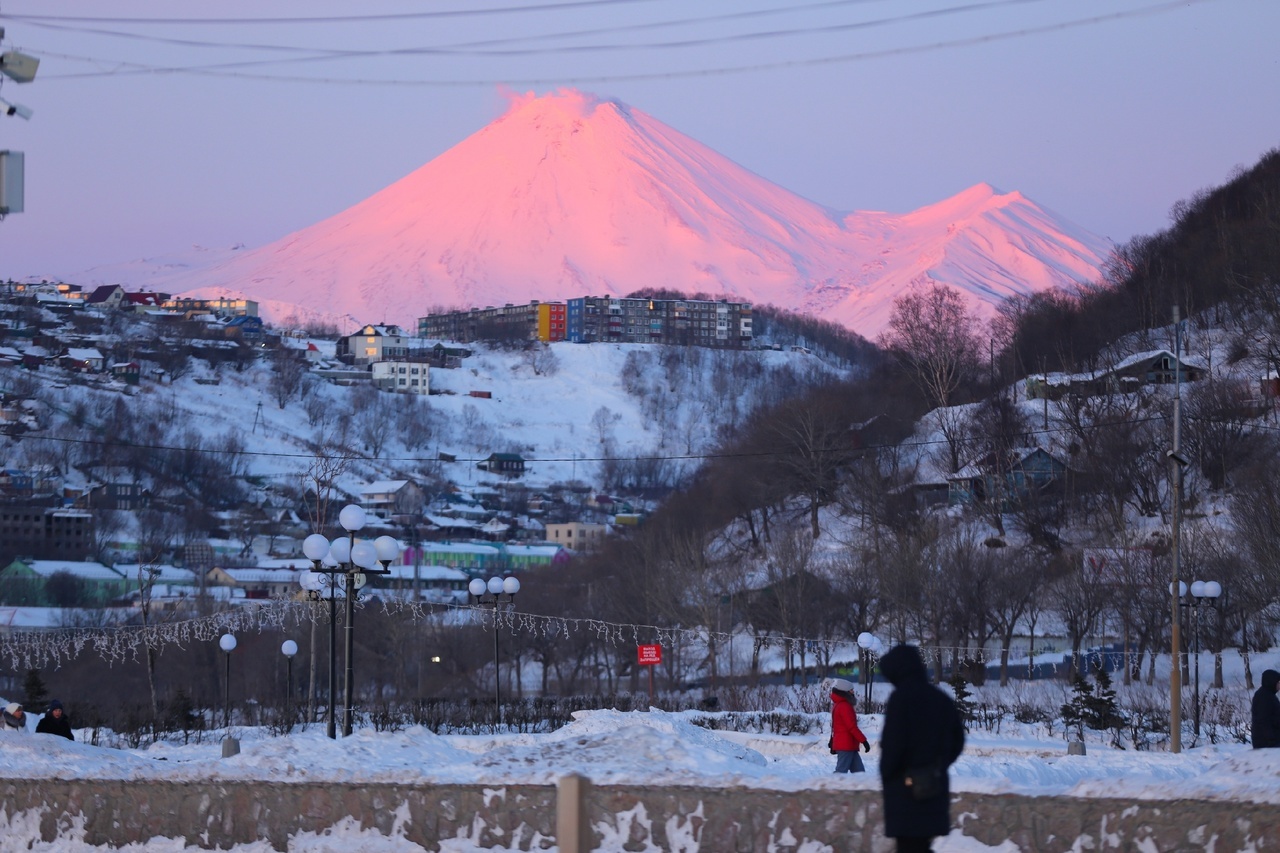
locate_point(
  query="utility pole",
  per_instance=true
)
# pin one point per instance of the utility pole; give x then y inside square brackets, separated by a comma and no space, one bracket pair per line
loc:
[1175,472]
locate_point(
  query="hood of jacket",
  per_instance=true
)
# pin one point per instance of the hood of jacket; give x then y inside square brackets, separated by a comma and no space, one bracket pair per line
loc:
[902,664]
[1270,678]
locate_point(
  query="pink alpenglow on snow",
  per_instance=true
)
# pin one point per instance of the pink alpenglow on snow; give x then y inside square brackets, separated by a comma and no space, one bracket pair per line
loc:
[569,195]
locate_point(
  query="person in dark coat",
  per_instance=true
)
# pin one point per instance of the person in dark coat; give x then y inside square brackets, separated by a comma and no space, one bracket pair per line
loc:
[922,729]
[846,737]
[55,722]
[1266,712]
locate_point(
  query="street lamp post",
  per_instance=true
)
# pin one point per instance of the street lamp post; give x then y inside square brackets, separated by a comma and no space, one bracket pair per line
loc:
[868,644]
[288,648]
[227,642]
[493,592]
[1200,594]
[316,548]
[351,559]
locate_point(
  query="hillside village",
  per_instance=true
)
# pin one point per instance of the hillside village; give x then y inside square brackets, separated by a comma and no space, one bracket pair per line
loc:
[121,341]
[63,540]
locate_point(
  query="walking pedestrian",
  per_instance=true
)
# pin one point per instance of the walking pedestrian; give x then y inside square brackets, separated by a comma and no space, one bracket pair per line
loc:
[846,737]
[923,736]
[1266,712]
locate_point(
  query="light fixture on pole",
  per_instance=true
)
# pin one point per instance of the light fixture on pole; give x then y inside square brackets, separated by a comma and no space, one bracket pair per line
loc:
[227,642]
[288,648]
[350,559]
[1200,594]
[493,592]
[868,644]
[316,549]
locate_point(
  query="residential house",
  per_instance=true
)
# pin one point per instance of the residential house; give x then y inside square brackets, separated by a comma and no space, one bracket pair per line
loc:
[40,481]
[143,301]
[385,498]
[123,496]
[440,584]
[128,372]
[1018,475]
[83,360]
[258,583]
[506,464]
[26,582]
[445,528]
[245,326]
[182,598]
[408,376]
[1155,367]
[372,344]
[158,573]
[106,296]
[578,535]
[496,529]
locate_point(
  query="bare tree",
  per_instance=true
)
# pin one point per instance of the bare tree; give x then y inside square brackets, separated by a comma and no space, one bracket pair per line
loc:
[808,443]
[1078,601]
[1017,576]
[934,334]
[541,359]
[287,374]
[374,418]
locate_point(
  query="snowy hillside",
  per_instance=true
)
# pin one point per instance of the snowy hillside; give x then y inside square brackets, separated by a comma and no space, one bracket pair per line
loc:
[589,403]
[570,195]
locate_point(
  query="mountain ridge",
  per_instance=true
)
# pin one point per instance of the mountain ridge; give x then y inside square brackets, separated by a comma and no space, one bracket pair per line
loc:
[569,194]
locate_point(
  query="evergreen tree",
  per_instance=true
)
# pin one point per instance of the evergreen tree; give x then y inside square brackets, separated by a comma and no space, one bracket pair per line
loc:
[1074,712]
[36,692]
[1100,710]
[964,704]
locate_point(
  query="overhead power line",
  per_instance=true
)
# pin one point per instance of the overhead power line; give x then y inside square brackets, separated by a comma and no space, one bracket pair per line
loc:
[227,69]
[474,47]
[333,19]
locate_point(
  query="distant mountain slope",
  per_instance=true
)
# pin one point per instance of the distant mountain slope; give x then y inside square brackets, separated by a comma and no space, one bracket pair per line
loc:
[567,195]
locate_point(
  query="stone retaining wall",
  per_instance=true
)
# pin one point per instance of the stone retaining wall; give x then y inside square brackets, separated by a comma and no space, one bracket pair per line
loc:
[523,817]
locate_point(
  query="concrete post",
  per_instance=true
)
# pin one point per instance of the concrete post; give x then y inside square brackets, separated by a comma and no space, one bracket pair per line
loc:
[573,829]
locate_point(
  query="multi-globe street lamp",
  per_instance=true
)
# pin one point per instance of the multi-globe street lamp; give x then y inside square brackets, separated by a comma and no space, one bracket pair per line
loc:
[227,642]
[1199,594]
[868,644]
[495,591]
[350,559]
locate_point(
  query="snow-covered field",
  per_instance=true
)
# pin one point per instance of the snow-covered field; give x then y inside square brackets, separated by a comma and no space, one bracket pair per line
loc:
[640,748]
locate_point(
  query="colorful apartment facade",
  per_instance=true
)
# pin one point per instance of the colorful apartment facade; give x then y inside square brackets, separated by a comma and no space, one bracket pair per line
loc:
[592,319]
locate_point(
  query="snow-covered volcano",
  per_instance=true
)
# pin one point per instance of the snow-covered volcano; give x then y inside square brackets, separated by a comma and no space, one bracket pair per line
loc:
[569,195]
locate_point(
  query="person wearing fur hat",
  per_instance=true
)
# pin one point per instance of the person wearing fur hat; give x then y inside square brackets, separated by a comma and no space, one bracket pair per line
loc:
[14,719]
[846,737]
[55,722]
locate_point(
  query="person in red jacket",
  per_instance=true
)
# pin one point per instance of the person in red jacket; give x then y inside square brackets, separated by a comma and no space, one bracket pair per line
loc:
[846,737]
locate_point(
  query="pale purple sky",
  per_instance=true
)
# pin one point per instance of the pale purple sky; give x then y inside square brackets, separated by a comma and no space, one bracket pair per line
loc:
[1104,111]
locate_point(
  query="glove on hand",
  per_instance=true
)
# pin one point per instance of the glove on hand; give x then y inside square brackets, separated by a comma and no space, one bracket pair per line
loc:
[866,746]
